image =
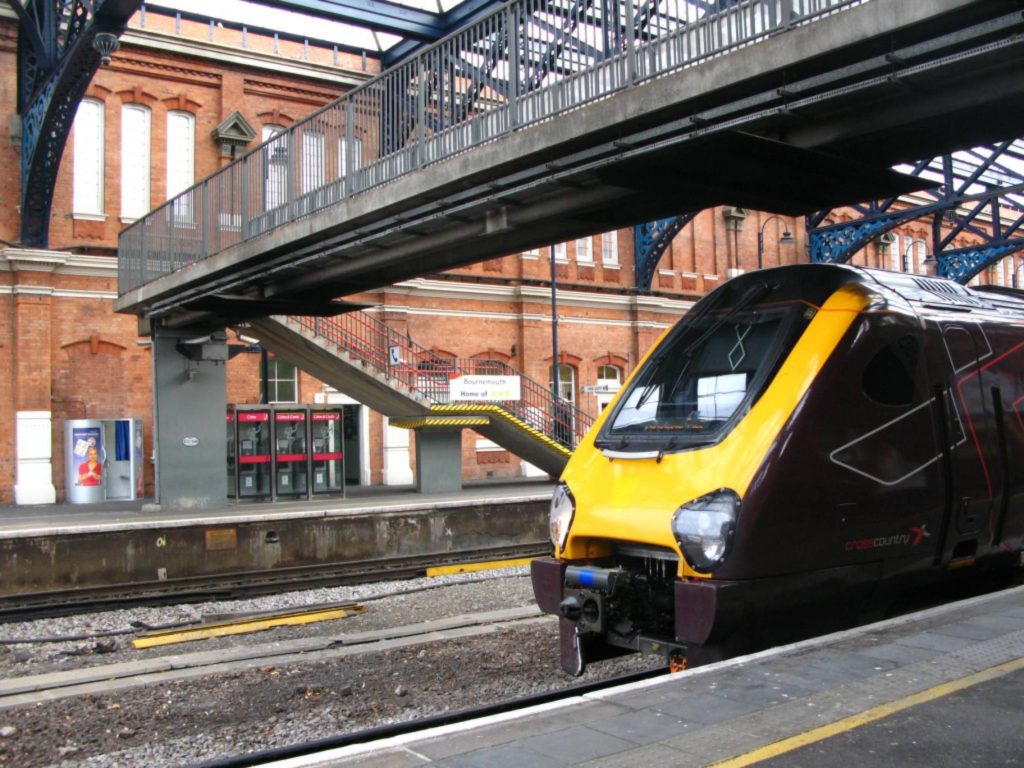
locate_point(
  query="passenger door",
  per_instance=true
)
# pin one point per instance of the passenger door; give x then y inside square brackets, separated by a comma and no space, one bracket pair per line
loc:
[973,466]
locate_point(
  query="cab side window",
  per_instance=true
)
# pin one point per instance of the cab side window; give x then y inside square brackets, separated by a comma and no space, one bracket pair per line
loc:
[890,377]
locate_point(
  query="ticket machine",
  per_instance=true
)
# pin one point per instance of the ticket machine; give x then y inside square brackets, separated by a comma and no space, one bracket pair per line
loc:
[252,455]
[327,434]
[291,455]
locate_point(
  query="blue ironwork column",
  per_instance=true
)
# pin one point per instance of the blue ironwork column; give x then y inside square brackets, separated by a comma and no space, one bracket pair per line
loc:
[56,61]
[650,241]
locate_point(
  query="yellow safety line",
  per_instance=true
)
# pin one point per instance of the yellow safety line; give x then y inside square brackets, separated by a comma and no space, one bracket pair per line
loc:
[446,570]
[868,716]
[241,627]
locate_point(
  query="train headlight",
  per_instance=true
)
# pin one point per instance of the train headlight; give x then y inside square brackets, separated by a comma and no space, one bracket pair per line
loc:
[563,507]
[704,528]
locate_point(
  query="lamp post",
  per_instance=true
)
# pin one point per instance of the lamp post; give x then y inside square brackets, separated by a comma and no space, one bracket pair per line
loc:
[787,237]
[555,367]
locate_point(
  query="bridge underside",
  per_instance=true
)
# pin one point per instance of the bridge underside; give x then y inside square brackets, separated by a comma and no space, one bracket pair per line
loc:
[800,122]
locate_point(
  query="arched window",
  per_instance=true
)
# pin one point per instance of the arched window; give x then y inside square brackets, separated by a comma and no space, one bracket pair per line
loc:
[88,160]
[135,161]
[609,379]
[609,374]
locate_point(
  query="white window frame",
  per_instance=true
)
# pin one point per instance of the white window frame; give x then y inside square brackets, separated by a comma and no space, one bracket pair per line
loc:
[357,156]
[181,163]
[275,167]
[89,145]
[561,252]
[585,251]
[610,249]
[612,384]
[136,159]
[566,385]
[274,380]
[314,161]
[616,380]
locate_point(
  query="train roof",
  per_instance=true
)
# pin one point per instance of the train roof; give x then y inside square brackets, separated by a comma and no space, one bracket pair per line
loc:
[937,293]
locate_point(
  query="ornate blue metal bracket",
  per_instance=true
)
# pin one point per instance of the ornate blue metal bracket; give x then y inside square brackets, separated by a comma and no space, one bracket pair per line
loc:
[650,241]
[837,243]
[963,264]
[56,61]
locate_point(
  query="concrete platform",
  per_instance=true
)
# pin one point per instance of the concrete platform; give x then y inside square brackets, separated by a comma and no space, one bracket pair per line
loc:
[943,687]
[65,546]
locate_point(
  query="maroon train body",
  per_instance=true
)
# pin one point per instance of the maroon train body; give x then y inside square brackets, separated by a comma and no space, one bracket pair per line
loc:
[901,463]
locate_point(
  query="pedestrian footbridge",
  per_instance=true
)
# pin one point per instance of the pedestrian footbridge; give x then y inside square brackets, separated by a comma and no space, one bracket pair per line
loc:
[550,120]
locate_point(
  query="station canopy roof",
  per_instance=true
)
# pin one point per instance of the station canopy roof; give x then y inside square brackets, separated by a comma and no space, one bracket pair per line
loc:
[374,26]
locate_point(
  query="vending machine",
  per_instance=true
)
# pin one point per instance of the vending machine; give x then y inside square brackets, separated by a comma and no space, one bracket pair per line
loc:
[252,452]
[291,455]
[327,434]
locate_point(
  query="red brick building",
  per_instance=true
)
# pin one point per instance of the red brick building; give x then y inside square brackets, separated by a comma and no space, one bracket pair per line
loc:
[181,89]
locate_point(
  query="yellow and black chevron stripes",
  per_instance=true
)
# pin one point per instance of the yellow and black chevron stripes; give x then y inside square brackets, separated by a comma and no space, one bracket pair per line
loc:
[497,410]
[422,422]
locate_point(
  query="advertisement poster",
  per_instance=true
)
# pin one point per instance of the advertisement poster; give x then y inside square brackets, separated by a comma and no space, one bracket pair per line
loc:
[140,489]
[87,450]
[485,388]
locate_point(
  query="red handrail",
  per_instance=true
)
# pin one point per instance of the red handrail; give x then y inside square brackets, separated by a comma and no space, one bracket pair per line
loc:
[418,369]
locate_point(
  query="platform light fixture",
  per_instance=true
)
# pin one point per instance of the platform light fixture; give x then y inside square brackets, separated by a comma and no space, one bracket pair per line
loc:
[786,239]
[106,45]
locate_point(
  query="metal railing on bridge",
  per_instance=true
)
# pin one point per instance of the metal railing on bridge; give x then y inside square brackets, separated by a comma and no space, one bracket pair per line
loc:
[425,372]
[526,62]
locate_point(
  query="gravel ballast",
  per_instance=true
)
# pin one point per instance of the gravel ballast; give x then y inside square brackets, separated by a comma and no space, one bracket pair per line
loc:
[274,705]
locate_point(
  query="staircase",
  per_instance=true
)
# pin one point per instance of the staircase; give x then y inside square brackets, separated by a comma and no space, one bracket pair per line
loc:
[370,362]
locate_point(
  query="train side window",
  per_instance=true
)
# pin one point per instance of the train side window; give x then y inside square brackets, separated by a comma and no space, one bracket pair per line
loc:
[890,376]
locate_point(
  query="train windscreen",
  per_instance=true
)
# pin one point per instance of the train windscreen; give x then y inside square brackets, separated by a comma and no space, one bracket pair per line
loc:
[705,374]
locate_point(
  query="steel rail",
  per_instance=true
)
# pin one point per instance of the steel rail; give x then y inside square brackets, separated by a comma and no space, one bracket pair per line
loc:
[35,605]
[180,665]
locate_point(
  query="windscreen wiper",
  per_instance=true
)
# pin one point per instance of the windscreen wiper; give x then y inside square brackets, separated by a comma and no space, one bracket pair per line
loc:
[752,294]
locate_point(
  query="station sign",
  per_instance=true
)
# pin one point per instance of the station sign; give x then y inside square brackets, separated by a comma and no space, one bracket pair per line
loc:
[485,389]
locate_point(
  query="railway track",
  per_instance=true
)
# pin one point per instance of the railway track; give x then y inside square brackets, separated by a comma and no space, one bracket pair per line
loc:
[31,690]
[229,586]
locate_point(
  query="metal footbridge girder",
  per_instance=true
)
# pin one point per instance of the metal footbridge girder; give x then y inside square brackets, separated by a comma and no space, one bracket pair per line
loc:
[370,362]
[979,191]
[681,120]
[56,62]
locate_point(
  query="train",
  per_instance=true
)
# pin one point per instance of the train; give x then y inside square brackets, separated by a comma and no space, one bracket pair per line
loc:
[807,441]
